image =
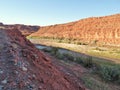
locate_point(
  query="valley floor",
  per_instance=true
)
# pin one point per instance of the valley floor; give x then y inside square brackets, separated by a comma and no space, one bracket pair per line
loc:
[104,53]
[81,74]
[87,76]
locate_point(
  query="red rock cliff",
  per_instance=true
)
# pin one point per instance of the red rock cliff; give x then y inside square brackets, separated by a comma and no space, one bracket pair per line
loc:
[105,30]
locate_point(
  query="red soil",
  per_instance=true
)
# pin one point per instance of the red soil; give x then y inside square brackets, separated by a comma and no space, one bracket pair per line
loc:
[23,67]
[105,30]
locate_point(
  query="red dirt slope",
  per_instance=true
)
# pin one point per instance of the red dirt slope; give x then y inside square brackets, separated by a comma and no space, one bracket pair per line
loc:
[23,67]
[105,30]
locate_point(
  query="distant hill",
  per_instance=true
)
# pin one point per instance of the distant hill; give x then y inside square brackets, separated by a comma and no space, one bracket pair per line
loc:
[25,29]
[104,30]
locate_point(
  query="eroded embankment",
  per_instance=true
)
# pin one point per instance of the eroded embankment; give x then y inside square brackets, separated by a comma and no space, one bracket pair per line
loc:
[23,67]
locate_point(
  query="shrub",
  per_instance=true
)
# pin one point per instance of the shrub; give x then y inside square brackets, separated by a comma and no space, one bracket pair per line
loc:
[60,41]
[88,62]
[93,84]
[94,42]
[78,43]
[79,60]
[110,73]
[68,57]
[59,55]
[54,50]
[46,50]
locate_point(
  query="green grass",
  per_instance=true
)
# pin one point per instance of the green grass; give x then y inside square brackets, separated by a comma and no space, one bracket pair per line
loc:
[105,54]
[33,37]
[60,40]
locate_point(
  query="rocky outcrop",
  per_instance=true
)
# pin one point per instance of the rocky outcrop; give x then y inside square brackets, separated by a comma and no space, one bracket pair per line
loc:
[25,29]
[104,30]
[23,67]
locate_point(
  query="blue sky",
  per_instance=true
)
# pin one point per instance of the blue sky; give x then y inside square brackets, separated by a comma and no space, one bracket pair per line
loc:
[48,12]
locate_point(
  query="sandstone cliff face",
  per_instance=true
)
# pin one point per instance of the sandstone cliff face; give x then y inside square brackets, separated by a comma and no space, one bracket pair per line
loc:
[25,29]
[23,67]
[105,30]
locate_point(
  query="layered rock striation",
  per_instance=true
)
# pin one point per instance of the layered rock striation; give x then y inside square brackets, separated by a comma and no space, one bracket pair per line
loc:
[104,30]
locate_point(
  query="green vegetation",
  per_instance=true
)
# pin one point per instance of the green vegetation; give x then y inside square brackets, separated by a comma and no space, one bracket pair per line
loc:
[94,84]
[61,40]
[107,52]
[113,54]
[110,72]
[106,73]
[106,70]
[54,51]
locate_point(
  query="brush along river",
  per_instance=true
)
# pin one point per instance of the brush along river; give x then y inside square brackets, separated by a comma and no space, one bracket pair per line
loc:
[98,53]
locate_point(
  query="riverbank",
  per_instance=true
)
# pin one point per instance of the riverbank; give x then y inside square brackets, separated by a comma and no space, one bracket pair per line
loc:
[82,66]
[109,53]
